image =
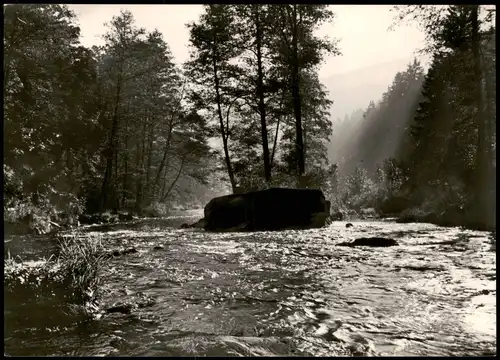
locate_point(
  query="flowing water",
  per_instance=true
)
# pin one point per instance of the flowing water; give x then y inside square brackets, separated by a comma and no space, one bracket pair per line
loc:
[274,293]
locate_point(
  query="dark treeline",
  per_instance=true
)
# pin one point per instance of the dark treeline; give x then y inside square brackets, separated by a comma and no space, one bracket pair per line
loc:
[426,150]
[121,127]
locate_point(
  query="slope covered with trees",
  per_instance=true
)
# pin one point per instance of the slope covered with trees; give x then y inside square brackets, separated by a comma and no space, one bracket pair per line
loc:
[121,127]
[96,129]
[255,73]
[426,150]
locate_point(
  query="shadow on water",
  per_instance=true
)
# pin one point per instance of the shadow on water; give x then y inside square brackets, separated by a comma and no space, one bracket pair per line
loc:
[287,293]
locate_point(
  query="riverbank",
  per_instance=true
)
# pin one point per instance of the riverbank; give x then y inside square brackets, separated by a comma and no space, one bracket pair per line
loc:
[446,219]
[450,218]
[23,227]
[45,225]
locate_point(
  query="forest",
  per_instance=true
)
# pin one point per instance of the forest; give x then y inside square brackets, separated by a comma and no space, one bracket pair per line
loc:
[122,128]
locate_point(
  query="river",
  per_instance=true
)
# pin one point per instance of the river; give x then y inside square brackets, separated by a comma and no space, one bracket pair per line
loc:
[272,293]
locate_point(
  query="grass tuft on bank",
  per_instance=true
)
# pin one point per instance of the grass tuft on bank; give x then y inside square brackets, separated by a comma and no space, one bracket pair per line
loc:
[81,260]
[72,276]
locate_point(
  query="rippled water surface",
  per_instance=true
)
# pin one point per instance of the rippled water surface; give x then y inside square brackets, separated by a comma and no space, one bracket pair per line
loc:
[277,293]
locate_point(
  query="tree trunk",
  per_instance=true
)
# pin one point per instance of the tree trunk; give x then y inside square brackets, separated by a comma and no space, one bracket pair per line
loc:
[110,150]
[481,184]
[304,145]
[141,148]
[490,117]
[165,161]
[260,92]
[115,203]
[222,128]
[148,166]
[165,154]
[275,143]
[181,166]
[299,142]
[125,170]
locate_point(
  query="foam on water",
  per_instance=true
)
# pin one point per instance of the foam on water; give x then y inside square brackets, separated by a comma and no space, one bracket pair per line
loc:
[284,293]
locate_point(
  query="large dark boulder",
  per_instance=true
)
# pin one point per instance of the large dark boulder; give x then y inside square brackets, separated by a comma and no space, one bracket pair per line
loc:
[271,209]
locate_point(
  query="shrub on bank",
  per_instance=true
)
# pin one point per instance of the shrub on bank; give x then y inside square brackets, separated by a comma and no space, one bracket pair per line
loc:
[392,193]
[42,212]
[81,260]
[73,275]
[155,210]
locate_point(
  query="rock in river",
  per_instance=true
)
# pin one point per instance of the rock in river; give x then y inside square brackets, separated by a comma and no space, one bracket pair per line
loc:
[372,241]
[271,209]
[200,224]
[120,308]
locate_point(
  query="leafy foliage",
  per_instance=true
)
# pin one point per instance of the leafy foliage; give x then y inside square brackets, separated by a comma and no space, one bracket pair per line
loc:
[242,70]
[92,129]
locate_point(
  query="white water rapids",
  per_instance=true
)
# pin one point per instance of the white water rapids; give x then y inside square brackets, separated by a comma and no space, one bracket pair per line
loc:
[281,293]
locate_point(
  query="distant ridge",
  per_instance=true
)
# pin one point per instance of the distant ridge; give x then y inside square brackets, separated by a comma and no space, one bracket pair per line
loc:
[354,89]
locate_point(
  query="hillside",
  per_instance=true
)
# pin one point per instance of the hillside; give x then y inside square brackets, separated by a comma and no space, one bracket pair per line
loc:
[355,89]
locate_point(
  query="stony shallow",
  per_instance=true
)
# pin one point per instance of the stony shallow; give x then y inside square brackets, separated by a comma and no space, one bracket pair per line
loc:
[188,292]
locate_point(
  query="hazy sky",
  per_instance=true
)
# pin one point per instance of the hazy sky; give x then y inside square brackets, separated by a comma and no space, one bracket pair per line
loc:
[362,30]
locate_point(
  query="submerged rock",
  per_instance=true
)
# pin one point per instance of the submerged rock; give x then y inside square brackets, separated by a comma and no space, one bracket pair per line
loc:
[271,209]
[200,224]
[337,216]
[139,301]
[129,251]
[349,225]
[116,253]
[372,241]
[121,308]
